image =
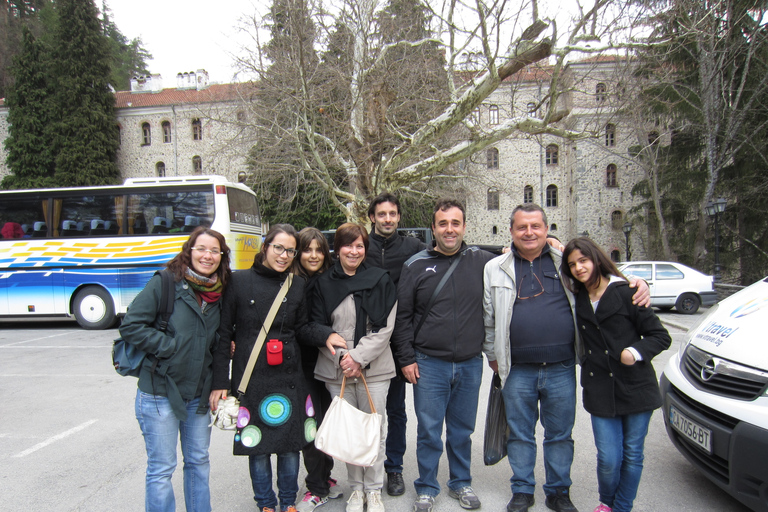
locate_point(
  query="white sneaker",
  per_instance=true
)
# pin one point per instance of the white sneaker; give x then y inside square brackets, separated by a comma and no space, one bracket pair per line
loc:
[356,502]
[374,501]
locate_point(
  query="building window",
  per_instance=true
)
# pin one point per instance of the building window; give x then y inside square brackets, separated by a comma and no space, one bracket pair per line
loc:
[495,230]
[528,194]
[600,93]
[553,227]
[240,115]
[653,138]
[146,134]
[160,169]
[119,135]
[474,116]
[166,132]
[610,176]
[615,255]
[610,135]
[197,130]
[617,219]
[492,158]
[531,107]
[493,114]
[552,196]
[552,154]
[197,165]
[493,199]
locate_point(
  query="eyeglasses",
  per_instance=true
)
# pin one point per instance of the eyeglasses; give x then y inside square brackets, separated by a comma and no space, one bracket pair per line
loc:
[212,252]
[532,290]
[279,249]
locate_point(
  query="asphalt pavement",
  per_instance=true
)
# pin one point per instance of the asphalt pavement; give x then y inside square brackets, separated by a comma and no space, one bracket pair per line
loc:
[69,440]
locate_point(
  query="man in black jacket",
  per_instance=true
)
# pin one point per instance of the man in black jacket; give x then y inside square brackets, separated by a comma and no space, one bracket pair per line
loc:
[442,355]
[389,250]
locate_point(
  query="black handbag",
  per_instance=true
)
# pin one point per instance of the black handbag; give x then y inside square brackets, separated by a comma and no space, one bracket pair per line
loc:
[496,427]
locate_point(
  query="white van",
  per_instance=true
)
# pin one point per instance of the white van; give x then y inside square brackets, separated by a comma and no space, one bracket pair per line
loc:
[716,395]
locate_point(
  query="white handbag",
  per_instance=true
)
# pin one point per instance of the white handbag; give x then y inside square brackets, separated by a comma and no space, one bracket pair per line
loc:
[226,414]
[348,434]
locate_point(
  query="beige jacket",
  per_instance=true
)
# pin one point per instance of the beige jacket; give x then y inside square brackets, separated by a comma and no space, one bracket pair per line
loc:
[372,349]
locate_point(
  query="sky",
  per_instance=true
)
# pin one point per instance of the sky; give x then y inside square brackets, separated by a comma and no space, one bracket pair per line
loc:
[184,35]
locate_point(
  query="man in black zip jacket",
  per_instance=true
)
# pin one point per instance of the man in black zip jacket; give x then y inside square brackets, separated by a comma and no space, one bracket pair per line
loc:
[443,359]
[389,250]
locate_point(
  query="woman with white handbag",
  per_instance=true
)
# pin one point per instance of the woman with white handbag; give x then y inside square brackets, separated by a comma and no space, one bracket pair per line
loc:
[265,304]
[359,303]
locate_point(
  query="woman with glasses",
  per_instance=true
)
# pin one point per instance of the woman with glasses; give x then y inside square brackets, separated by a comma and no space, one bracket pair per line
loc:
[277,414]
[358,303]
[176,376]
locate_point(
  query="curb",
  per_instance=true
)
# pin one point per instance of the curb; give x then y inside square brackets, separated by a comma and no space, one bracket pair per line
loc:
[675,325]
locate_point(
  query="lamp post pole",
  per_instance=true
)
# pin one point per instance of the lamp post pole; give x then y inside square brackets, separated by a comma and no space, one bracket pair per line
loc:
[714,210]
[627,229]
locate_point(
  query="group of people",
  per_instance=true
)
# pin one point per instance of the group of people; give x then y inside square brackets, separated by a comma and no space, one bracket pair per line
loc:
[390,309]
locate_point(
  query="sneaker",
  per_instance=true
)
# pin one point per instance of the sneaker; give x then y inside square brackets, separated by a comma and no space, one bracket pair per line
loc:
[466,496]
[310,502]
[267,509]
[374,501]
[520,502]
[334,489]
[395,484]
[560,502]
[290,508]
[356,502]
[603,508]
[424,503]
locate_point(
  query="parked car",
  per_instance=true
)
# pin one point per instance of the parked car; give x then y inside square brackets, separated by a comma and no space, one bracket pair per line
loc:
[715,393]
[673,285]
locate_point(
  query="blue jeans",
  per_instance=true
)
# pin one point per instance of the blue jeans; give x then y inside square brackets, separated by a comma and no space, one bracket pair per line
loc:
[287,479]
[161,428]
[551,386]
[445,393]
[396,426]
[620,443]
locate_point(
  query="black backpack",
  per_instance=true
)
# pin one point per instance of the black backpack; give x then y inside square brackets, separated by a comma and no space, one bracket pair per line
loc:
[126,358]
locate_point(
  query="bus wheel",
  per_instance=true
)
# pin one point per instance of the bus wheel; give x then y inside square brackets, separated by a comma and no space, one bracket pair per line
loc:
[94,309]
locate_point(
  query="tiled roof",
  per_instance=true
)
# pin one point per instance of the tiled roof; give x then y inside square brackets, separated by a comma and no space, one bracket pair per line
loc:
[211,94]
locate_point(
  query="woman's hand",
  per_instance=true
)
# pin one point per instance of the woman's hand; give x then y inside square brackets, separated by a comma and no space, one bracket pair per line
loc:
[334,340]
[627,358]
[350,367]
[216,395]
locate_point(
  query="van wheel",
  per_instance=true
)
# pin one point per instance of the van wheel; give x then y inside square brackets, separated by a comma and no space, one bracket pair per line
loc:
[94,309]
[688,303]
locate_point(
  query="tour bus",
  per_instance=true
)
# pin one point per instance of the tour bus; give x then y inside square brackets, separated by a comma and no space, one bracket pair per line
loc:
[86,252]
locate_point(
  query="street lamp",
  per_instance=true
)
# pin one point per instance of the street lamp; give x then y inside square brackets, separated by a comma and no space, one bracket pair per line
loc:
[714,210]
[627,229]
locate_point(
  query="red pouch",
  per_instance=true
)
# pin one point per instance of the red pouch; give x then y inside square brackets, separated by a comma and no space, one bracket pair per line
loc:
[274,352]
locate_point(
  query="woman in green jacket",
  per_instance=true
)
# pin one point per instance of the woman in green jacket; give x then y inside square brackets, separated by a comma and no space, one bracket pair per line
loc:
[178,369]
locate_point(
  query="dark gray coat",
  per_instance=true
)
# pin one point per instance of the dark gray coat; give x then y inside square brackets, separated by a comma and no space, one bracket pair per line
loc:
[610,387]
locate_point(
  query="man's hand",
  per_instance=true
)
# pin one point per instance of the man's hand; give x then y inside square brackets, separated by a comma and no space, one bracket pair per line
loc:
[555,243]
[494,365]
[334,340]
[642,296]
[411,373]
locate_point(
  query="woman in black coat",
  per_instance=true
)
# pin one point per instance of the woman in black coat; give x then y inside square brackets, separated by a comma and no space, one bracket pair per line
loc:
[621,390]
[276,412]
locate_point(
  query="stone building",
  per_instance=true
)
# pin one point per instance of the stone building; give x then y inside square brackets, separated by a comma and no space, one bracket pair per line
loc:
[584,185]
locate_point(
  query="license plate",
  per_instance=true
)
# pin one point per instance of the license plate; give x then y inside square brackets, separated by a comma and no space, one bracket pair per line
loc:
[697,434]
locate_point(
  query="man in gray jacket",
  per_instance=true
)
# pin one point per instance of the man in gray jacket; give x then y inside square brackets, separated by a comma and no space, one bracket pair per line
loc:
[536,366]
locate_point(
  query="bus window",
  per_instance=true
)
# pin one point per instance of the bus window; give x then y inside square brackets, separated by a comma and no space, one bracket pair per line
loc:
[79,216]
[169,212]
[243,208]
[29,213]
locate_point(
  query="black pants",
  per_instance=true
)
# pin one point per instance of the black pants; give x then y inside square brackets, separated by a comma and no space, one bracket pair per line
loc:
[317,464]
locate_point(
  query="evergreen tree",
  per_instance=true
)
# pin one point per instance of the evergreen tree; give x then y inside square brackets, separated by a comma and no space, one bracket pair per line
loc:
[87,130]
[30,155]
[129,57]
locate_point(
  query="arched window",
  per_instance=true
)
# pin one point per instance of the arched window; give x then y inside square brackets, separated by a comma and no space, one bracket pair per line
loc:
[493,199]
[119,135]
[166,132]
[615,255]
[653,138]
[495,230]
[617,219]
[197,165]
[531,107]
[474,116]
[492,158]
[528,194]
[160,169]
[240,115]
[600,93]
[552,154]
[493,114]
[146,134]
[552,195]
[610,135]
[610,176]
[553,227]
[197,130]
